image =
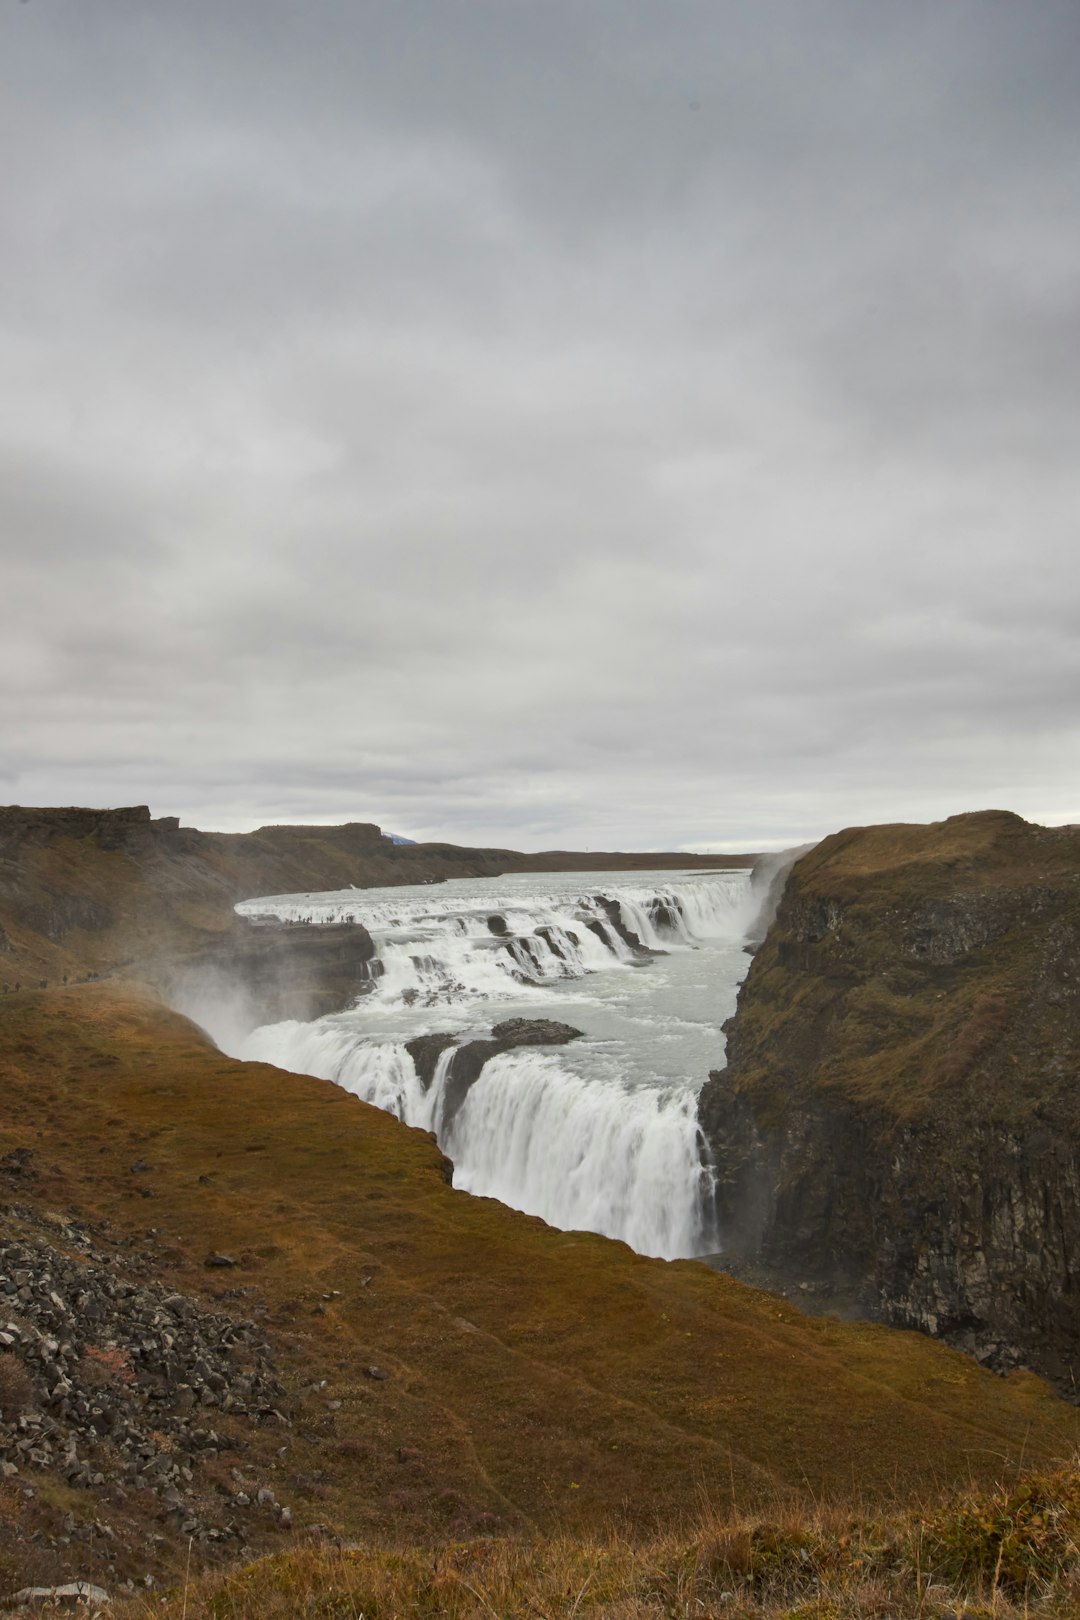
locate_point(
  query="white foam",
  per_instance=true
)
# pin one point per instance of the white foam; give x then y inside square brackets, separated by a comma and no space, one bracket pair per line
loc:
[439,948]
[582,1155]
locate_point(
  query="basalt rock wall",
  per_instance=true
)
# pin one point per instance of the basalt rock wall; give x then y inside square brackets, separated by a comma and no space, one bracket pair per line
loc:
[899,1117]
[268,973]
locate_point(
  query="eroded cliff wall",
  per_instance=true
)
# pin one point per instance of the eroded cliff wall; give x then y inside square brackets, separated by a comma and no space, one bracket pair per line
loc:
[899,1118]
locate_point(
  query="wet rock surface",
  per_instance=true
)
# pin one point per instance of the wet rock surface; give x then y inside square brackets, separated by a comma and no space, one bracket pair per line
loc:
[425,1051]
[469,1059]
[533,1032]
[267,972]
[663,917]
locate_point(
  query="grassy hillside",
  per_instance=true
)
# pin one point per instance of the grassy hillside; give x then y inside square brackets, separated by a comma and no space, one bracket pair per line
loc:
[535,1381]
[903,953]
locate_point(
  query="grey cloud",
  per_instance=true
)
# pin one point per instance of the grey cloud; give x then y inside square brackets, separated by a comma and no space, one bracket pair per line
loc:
[551,425]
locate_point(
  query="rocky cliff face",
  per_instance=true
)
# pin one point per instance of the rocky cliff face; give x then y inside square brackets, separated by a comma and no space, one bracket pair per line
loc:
[253,975]
[900,1115]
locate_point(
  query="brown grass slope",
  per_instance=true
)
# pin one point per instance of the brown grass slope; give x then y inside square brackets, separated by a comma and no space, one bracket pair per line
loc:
[537,1379]
[901,1110]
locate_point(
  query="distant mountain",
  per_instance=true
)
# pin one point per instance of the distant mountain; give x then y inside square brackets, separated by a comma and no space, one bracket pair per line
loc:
[396,838]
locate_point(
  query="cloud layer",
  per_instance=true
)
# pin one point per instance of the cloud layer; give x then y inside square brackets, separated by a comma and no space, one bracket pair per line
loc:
[543,424]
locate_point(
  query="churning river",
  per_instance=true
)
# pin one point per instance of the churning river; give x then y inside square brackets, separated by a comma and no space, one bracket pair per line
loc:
[600,1134]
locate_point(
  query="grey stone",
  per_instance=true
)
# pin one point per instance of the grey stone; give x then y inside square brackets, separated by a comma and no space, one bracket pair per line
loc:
[73,1592]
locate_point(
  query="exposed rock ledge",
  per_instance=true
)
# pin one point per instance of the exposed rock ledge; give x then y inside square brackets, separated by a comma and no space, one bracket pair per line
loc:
[900,1115]
[469,1059]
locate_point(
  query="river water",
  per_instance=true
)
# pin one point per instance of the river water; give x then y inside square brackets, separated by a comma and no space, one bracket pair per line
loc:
[600,1134]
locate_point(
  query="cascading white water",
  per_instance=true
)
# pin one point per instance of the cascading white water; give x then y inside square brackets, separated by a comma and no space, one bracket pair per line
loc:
[601,1134]
[585,1155]
[380,1072]
[579,1152]
[442,947]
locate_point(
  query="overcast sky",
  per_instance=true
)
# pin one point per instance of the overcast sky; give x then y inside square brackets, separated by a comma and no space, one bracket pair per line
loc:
[596,423]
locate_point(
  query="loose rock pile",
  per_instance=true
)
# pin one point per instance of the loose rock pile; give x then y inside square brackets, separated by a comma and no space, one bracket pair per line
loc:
[124,1378]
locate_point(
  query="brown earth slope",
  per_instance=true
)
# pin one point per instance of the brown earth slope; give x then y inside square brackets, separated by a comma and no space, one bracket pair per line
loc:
[900,1113]
[481,1369]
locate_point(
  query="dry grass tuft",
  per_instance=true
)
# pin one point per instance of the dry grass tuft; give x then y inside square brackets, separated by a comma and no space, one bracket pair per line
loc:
[1002,1554]
[100,1368]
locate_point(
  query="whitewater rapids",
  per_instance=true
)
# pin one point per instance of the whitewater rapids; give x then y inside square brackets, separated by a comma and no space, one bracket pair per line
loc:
[600,1135]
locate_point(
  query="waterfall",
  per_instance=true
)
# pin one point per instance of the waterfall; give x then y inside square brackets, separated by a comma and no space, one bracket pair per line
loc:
[533,1134]
[583,1155]
[442,948]
[600,1135]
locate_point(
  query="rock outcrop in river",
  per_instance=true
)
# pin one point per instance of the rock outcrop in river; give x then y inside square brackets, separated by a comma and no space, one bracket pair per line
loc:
[899,1119]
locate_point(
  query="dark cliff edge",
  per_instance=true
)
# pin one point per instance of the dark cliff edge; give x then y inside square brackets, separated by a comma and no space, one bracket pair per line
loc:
[899,1120]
